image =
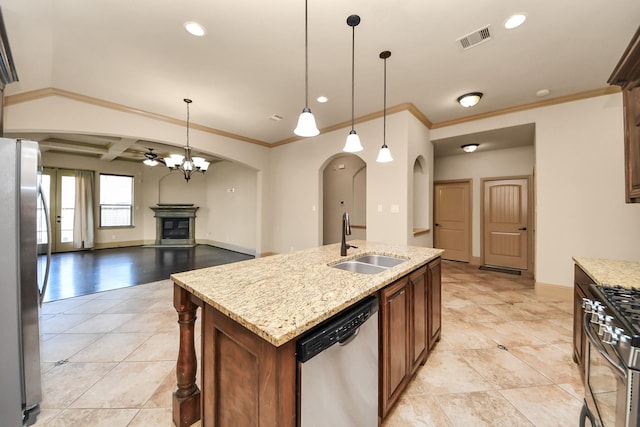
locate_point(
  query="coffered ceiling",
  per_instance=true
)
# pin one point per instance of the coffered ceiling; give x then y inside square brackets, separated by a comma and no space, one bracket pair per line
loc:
[249,66]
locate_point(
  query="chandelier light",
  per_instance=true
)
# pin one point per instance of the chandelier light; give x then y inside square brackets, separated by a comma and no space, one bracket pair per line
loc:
[352,144]
[306,122]
[184,163]
[384,155]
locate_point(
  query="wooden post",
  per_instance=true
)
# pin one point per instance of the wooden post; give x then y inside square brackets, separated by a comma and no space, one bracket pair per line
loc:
[186,399]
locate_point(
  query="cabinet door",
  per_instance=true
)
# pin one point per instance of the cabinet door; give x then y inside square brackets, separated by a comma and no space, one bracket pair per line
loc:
[434,298]
[632,144]
[394,307]
[418,304]
[580,290]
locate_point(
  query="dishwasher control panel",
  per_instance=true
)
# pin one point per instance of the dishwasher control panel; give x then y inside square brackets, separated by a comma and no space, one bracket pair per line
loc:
[339,328]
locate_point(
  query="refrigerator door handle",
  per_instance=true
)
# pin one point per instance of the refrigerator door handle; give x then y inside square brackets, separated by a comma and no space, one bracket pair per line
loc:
[45,208]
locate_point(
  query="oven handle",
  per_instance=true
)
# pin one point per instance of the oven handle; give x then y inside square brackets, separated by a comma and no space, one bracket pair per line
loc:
[596,343]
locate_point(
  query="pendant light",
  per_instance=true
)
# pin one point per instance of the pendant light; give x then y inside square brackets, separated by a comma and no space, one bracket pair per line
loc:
[384,155]
[186,164]
[352,145]
[306,121]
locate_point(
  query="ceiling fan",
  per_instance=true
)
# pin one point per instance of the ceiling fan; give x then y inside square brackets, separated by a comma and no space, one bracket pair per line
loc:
[152,159]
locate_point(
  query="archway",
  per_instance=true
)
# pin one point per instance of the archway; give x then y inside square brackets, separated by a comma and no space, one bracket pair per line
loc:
[344,189]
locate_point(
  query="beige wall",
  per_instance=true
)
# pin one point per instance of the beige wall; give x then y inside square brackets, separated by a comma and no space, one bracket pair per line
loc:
[296,183]
[108,236]
[579,159]
[224,219]
[419,149]
[59,114]
[579,174]
[344,190]
[478,165]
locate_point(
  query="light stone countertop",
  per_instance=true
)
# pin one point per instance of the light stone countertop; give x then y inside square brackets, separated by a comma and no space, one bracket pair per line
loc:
[608,272]
[282,296]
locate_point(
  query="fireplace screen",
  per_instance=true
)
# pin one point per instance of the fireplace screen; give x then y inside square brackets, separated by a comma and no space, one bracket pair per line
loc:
[175,228]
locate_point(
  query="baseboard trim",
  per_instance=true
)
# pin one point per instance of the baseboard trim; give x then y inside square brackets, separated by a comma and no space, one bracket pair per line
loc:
[230,247]
[125,244]
[564,293]
[265,254]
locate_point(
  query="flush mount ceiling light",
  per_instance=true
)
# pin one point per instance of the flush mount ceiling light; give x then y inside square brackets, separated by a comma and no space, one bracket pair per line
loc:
[542,93]
[306,122]
[322,99]
[384,155]
[352,144]
[184,163]
[515,21]
[469,148]
[195,29]
[469,99]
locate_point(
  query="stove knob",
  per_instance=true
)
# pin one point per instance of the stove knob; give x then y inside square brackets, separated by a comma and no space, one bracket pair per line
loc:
[610,336]
[587,305]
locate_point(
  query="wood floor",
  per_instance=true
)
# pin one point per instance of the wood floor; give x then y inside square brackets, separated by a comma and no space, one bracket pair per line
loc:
[86,272]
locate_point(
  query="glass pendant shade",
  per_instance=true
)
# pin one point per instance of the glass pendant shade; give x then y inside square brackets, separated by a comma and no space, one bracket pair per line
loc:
[306,124]
[150,162]
[352,145]
[384,155]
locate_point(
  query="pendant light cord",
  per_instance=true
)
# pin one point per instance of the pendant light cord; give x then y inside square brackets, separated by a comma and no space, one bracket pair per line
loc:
[306,55]
[384,108]
[187,124]
[353,74]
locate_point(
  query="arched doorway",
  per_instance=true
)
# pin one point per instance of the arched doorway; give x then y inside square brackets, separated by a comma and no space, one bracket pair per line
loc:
[344,190]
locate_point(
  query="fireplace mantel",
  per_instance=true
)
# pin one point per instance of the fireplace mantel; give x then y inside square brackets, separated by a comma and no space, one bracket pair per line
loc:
[175,224]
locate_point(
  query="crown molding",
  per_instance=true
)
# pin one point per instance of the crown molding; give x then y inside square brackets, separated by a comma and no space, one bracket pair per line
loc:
[46,92]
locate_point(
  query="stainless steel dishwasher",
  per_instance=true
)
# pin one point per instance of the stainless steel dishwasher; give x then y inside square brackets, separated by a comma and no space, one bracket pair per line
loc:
[338,362]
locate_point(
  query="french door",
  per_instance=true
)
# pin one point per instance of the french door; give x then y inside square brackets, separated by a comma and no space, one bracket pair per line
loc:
[59,189]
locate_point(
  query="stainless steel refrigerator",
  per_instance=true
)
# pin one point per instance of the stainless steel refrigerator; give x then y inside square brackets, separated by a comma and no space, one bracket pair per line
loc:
[20,294]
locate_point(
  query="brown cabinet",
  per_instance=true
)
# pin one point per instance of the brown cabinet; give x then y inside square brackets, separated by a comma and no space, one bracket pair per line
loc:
[627,76]
[410,325]
[580,291]
[434,301]
[394,333]
[246,380]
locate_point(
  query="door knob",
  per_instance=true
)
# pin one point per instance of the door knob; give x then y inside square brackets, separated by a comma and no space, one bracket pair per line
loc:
[522,228]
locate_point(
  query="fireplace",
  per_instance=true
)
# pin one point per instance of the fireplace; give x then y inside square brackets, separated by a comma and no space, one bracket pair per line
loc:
[175,224]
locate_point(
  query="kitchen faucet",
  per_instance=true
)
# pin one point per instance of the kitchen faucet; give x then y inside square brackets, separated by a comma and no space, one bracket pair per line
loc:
[346,231]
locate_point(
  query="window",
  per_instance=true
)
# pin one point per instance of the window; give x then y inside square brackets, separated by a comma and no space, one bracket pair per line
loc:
[116,200]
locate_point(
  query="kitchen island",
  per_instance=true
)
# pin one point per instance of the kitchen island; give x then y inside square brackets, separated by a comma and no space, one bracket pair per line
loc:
[253,311]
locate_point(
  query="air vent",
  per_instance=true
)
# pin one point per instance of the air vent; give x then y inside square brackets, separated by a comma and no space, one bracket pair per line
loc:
[475,38]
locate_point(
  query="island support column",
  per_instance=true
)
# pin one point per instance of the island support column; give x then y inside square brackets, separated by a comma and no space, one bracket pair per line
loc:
[186,399]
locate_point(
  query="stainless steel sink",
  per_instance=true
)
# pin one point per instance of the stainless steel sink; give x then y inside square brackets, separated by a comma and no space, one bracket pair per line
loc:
[381,260]
[359,267]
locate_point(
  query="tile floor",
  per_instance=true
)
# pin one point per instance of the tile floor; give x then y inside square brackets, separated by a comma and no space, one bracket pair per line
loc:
[504,358]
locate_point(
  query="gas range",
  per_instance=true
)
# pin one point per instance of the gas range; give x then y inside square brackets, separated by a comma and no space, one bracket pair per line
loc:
[612,385]
[618,318]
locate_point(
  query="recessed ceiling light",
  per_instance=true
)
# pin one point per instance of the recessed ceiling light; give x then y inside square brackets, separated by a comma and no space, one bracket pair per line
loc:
[515,21]
[195,29]
[542,92]
[322,99]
